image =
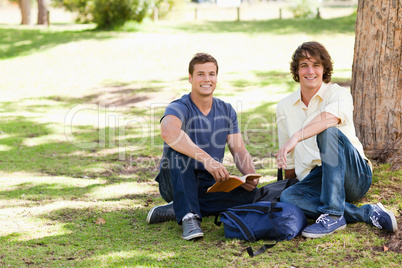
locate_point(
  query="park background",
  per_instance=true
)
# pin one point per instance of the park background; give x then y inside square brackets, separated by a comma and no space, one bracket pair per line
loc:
[80,143]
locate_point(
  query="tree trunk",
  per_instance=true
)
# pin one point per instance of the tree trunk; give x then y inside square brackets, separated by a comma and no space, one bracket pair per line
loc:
[377,79]
[25,7]
[43,12]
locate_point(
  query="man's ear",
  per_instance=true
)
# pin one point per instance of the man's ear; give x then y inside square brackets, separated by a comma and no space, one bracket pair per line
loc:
[190,78]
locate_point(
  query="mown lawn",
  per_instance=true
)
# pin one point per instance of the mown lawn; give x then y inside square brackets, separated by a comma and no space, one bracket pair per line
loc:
[80,143]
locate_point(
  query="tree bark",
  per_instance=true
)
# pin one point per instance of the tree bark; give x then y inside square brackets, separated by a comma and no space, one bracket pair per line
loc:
[43,12]
[25,7]
[377,79]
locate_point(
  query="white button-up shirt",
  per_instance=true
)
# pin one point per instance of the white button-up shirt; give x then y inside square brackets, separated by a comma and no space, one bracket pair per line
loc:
[292,115]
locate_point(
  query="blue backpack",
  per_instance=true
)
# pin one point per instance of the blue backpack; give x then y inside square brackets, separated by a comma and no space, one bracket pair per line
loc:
[263,220]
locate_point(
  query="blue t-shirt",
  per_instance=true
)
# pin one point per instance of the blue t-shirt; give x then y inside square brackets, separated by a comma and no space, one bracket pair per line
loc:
[209,132]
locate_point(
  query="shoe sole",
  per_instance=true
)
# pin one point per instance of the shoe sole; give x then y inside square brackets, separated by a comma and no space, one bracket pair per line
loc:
[152,210]
[392,216]
[312,235]
[194,236]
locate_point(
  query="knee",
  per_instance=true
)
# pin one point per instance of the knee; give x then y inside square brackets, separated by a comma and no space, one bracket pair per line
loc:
[326,135]
[285,196]
[165,185]
[291,195]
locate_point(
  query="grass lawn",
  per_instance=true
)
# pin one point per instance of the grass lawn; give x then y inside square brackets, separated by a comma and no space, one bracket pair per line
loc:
[80,143]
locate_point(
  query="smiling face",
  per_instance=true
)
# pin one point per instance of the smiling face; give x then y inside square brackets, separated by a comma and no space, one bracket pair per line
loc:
[203,79]
[310,73]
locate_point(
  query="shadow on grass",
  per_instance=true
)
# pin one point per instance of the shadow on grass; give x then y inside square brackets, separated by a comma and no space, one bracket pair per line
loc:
[259,132]
[263,79]
[107,149]
[72,238]
[135,95]
[342,25]
[84,152]
[124,239]
[16,42]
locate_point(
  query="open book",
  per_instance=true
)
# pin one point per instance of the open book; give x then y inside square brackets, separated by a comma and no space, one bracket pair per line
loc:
[232,183]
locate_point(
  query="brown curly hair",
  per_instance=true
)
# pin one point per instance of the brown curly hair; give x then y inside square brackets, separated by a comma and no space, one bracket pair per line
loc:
[315,50]
[201,58]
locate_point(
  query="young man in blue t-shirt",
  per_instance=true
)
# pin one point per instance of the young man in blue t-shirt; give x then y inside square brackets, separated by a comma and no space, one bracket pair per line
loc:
[196,129]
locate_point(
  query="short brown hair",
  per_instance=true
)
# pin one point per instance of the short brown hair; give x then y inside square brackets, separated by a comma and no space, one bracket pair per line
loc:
[315,50]
[201,58]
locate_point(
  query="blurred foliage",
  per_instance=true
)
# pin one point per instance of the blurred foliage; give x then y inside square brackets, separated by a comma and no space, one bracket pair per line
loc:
[304,9]
[106,13]
[114,13]
[165,6]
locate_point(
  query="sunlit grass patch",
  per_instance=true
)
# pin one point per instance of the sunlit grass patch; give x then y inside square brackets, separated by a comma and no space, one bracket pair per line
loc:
[118,191]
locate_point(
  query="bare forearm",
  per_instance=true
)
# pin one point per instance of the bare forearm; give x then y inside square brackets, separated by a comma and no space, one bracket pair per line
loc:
[320,123]
[241,156]
[244,162]
[179,141]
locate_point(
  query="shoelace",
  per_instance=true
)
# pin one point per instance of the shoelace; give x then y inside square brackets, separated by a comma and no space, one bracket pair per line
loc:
[165,214]
[375,219]
[192,223]
[322,218]
[375,222]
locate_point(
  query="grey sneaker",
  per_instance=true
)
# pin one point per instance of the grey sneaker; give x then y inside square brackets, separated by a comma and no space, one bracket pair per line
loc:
[191,229]
[161,214]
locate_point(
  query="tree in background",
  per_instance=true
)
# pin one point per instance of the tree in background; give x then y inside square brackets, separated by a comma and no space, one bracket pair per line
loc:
[104,13]
[25,7]
[43,14]
[377,79]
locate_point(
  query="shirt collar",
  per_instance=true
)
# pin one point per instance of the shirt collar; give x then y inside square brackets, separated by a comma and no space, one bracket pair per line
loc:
[296,98]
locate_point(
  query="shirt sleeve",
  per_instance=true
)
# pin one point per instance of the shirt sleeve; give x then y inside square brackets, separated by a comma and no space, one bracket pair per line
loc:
[283,135]
[339,102]
[177,109]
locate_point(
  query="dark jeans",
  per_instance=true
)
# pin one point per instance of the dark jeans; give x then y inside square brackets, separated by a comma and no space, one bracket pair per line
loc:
[343,178]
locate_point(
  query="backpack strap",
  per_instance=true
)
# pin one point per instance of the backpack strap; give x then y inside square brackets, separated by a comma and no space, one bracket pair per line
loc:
[279,175]
[263,209]
[245,230]
[261,250]
[264,248]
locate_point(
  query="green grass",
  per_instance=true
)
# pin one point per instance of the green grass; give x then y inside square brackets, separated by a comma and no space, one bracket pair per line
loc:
[277,26]
[80,141]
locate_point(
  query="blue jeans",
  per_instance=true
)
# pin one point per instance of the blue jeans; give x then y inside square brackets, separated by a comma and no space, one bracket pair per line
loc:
[343,177]
[187,188]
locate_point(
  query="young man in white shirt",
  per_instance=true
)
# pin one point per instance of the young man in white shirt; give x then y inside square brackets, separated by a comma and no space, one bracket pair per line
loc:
[318,145]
